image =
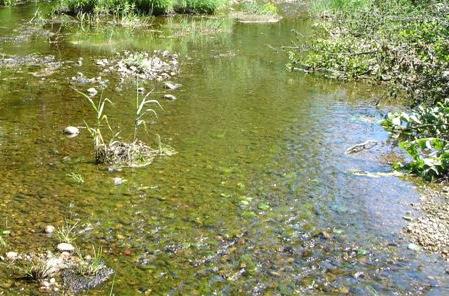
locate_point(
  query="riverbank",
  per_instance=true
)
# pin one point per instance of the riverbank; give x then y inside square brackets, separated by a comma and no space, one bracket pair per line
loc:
[429,226]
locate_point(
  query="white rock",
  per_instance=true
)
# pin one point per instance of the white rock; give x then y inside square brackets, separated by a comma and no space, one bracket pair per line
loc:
[49,229]
[413,247]
[170,97]
[71,131]
[53,265]
[65,247]
[92,91]
[171,85]
[118,181]
[12,255]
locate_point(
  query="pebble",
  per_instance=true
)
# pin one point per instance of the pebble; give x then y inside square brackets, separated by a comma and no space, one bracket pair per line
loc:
[118,181]
[92,91]
[49,229]
[170,97]
[71,131]
[413,247]
[12,255]
[65,247]
[172,85]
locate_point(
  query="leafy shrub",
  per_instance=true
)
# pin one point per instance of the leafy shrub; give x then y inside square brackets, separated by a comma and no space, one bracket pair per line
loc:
[424,135]
[155,7]
[147,7]
[404,44]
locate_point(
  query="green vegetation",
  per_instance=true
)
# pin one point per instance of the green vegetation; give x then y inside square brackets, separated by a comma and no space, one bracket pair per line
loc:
[91,265]
[66,233]
[2,239]
[33,269]
[423,134]
[76,178]
[401,43]
[8,2]
[257,8]
[130,154]
[145,7]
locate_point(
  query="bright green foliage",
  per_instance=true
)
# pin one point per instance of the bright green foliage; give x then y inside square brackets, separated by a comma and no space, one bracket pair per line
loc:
[8,2]
[198,6]
[155,7]
[399,42]
[257,8]
[424,135]
[147,7]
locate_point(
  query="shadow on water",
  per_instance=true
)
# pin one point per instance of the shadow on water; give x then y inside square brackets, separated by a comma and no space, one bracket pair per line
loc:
[259,200]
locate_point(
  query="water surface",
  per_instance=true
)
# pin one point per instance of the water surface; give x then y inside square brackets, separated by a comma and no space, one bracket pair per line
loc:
[261,198]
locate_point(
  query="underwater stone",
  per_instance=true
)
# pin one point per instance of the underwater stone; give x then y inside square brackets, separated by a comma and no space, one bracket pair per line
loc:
[49,229]
[71,131]
[172,85]
[12,255]
[65,247]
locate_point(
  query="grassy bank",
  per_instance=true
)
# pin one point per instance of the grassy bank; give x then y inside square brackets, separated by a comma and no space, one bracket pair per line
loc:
[144,7]
[403,44]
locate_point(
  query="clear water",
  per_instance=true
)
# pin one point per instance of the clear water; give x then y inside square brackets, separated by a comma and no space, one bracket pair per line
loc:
[259,200]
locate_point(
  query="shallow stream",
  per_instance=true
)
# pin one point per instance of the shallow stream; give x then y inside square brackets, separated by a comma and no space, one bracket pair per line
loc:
[260,199]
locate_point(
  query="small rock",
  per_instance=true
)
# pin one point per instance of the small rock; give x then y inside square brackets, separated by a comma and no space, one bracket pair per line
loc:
[118,181]
[92,91]
[172,85]
[170,97]
[71,131]
[141,90]
[114,169]
[413,247]
[12,255]
[407,217]
[53,265]
[65,247]
[325,234]
[49,229]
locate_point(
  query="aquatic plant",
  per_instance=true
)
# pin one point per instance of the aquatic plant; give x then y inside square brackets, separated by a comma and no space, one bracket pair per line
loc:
[101,119]
[2,240]
[114,152]
[66,233]
[76,178]
[34,268]
[91,265]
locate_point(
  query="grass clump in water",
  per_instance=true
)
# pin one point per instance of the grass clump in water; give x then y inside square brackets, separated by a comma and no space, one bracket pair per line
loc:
[91,265]
[66,233]
[134,153]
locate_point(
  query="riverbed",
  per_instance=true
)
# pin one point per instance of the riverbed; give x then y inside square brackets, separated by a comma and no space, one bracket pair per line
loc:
[260,199]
